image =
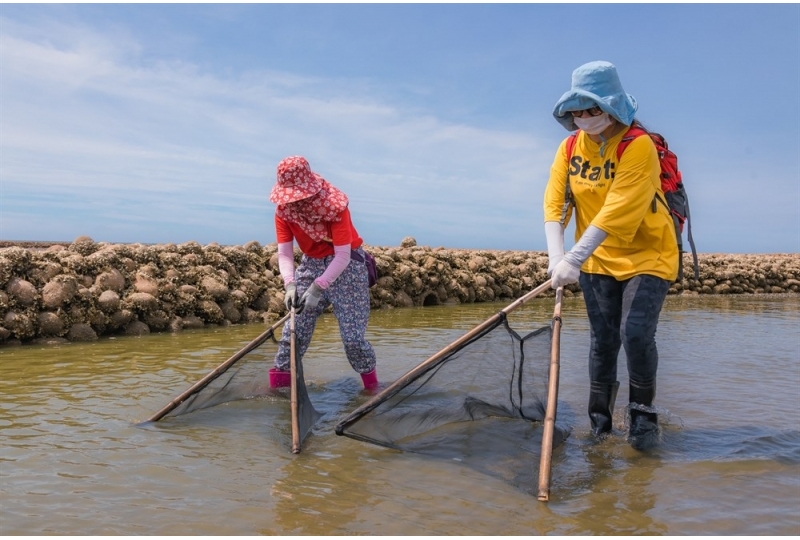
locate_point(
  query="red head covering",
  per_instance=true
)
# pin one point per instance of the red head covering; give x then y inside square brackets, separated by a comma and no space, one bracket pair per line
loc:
[305,198]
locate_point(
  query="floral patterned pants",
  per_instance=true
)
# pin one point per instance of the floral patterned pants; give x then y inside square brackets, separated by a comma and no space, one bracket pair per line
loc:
[349,296]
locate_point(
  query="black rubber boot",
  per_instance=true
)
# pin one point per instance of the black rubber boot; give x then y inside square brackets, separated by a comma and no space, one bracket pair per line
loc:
[601,406]
[644,430]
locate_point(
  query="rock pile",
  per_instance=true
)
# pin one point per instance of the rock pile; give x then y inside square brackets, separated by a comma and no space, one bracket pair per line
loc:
[89,289]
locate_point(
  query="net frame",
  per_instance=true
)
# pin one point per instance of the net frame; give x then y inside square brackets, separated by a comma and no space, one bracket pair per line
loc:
[269,333]
[425,366]
[415,379]
[303,413]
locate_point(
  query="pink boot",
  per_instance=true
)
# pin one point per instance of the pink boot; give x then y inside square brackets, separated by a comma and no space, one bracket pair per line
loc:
[279,379]
[370,380]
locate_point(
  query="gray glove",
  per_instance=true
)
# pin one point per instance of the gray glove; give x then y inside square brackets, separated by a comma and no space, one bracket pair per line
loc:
[290,296]
[310,298]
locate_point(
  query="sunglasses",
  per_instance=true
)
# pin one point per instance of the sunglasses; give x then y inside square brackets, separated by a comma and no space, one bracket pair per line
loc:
[594,111]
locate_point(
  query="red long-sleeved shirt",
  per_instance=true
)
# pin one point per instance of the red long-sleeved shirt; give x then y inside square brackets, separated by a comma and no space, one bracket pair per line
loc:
[339,233]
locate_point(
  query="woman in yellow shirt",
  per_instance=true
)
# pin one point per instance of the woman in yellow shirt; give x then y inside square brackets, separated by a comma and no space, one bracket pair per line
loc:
[626,254]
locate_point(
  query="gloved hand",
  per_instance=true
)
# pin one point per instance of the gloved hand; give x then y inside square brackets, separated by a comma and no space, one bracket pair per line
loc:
[310,298]
[568,269]
[565,273]
[552,262]
[290,296]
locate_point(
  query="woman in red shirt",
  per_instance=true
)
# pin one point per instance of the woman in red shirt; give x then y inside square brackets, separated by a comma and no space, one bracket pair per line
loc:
[331,272]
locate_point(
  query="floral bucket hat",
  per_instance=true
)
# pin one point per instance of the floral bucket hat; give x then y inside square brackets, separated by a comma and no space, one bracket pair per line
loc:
[595,83]
[295,182]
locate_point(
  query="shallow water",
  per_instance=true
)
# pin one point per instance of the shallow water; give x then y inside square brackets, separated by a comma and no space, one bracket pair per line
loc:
[74,461]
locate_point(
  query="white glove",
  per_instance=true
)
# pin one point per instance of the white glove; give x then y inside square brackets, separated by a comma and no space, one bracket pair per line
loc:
[554,233]
[568,270]
[564,274]
[310,298]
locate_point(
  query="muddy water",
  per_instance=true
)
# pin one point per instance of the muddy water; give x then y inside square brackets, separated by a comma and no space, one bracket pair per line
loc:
[73,460]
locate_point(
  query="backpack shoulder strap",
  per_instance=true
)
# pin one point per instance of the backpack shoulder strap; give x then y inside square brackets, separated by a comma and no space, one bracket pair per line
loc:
[571,145]
[569,200]
[633,132]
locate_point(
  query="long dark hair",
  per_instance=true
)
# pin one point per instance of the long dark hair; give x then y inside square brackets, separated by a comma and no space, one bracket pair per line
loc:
[637,123]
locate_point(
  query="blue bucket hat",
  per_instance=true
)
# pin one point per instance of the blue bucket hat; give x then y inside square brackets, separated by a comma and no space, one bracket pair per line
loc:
[595,83]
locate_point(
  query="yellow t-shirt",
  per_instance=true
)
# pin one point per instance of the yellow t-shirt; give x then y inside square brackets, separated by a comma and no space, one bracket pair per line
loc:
[618,198]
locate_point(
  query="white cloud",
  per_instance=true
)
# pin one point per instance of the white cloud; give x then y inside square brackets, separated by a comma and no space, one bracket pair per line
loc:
[86,120]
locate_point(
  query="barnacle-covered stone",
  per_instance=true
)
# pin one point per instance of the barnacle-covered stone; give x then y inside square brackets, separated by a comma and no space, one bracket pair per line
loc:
[59,291]
[136,328]
[14,261]
[102,259]
[253,246]
[210,311]
[20,324]
[230,312]
[250,315]
[156,320]
[146,284]
[141,302]
[83,245]
[111,280]
[193,321]
[81,332]
[214,288]
[22,292]
[121,318]
[42,271]
[109,301]
[190,247]
[50,324]
[263,302]
[239,299]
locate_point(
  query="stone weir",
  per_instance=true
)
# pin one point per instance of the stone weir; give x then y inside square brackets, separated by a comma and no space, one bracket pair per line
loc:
[82,290]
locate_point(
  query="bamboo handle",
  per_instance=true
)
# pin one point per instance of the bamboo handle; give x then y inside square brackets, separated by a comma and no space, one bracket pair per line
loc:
[216,372]
[545,462]
[293,368]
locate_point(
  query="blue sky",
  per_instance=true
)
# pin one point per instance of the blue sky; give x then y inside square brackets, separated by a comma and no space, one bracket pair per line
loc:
[164,123]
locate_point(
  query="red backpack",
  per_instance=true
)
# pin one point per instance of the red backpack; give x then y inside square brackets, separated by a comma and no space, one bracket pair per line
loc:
[671,184]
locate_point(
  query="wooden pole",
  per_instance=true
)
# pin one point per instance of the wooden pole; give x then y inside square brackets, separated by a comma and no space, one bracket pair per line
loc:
[216,372]
[400,383]
[545,461]
[293,369]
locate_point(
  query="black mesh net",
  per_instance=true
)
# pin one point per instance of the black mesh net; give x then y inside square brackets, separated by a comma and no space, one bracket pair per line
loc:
[243,376]
[481,404]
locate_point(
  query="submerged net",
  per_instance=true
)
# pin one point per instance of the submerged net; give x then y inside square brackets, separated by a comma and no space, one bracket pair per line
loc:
[243,376]
[481,404]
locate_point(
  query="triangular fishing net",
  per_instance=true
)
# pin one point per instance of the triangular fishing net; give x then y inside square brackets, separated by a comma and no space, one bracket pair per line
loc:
[245,375]
[481,402]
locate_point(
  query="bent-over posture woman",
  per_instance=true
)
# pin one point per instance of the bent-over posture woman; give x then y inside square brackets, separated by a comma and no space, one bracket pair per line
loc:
[332,271]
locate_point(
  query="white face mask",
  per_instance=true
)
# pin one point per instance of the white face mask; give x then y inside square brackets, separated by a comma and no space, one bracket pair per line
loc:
[593,125]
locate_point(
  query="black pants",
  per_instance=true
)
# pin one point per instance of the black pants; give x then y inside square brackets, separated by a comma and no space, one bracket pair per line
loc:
[623,313]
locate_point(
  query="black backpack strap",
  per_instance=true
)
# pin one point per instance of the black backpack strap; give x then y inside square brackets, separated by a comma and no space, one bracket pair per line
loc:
[691,240]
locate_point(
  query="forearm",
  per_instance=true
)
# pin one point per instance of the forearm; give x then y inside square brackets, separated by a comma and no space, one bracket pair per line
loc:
[286,261]
[340,261]
[554,233]
[591,238]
